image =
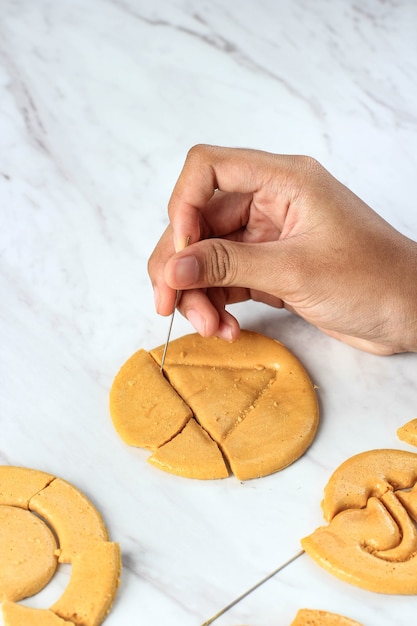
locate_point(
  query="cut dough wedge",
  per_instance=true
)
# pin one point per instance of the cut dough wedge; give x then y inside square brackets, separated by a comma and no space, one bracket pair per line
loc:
[145,409]
[192,444]
[252,397]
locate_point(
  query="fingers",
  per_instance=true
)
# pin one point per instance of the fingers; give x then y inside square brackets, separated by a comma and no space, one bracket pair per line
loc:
[164,294]
[235,171]
[205,309]
[224,263]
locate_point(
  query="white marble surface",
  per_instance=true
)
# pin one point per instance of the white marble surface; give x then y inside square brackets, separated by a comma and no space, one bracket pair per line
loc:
[99,102]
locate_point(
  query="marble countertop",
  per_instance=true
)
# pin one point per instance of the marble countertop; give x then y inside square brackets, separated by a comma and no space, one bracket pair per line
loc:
[99,103]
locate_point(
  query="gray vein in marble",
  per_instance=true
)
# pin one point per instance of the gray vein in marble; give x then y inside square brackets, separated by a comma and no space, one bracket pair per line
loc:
[224,45]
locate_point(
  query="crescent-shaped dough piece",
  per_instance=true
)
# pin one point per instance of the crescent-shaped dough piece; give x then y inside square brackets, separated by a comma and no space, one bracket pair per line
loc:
[19,484]
[370,473]
[92,587]
[310,617]
[408,432]
[19,615]
[74,518]
[192,445]
[145,409]
[27,553]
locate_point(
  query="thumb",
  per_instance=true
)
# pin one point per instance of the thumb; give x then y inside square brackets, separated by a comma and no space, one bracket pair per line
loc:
[224,263]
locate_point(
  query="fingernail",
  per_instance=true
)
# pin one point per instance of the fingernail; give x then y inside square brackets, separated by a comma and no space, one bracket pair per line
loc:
[156,298]
[197,321]
[186,271]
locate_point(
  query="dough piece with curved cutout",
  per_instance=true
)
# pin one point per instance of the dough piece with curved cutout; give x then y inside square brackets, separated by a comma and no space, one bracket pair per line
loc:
[371,539]
[27,554]
[92,587]
[310,617]
[408,432]
[253,398]
[19,615]
[74,518]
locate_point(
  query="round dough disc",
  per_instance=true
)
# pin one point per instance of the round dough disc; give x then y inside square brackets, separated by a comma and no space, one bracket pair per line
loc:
[252,397]
[27,553]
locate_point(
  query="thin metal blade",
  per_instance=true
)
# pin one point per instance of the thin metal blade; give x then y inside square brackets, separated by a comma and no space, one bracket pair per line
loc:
[177,297]
[258,584]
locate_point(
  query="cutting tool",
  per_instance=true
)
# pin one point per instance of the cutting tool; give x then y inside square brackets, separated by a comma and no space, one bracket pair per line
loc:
[248,591]
[177,297]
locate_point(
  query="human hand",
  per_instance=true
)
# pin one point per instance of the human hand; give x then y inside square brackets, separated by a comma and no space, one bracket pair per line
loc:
[281,230]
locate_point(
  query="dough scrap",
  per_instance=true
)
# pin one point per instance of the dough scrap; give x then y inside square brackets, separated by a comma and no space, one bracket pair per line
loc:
[371,538]
[253,398]
[310,617]
[408,432]
[27,554]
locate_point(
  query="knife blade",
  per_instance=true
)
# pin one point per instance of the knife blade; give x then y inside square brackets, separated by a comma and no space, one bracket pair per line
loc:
[177,297]
[248,591]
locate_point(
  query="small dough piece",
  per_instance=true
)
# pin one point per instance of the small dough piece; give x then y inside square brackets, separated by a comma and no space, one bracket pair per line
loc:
[19,484]
[371,540]
[145,409]
[74,518]
[408,432]
[19,615]
[310,617]
[27,554]
[93,585]
[191,453]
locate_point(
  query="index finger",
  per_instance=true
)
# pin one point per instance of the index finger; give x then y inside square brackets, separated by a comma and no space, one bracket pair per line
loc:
[206,169]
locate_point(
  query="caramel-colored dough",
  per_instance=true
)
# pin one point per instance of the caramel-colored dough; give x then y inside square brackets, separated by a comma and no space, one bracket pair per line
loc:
[74,518]
[310,617]
[371,540]
[27,554]
[252,397]
[145,409]
[19,615]
[83,542]
[19,484]
[192,443]
[408,432]
[94,580]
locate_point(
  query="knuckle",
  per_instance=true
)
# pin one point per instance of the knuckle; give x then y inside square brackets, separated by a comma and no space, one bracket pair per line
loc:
[220,269]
